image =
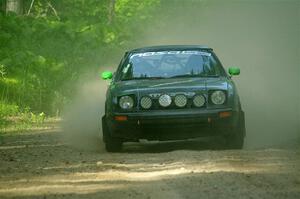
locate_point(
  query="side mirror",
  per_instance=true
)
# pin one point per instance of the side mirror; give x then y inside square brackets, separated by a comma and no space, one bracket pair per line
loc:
[106,75]
[234,71]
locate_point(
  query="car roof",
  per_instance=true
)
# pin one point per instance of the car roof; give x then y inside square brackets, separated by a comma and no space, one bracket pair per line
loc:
[171,47]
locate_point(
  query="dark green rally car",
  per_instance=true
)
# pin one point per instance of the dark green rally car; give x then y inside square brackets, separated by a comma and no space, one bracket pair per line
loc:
[172,93]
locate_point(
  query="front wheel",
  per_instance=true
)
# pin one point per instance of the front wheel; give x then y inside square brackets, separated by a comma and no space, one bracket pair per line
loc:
[236,140]
[112,144]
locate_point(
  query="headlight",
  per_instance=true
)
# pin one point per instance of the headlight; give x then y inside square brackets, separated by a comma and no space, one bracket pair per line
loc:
[180,100]
[165,100]
[218,97]
[146,102]
[199,100]
[126,102]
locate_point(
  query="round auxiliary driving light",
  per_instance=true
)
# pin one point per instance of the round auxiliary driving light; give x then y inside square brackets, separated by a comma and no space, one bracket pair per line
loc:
[199,100]
[126,102]
[218,97]
[146,102]
[165,100]
[180,100]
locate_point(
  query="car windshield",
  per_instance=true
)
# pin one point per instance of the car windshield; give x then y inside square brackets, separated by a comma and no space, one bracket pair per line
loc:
[170,64]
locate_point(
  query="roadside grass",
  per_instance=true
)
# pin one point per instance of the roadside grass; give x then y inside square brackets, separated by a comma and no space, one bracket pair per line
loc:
[14,119]
[21,124]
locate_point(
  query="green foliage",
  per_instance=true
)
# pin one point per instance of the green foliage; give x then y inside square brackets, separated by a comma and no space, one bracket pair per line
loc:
[29,117]
[44,53]
[15,118]
[2,71]
[8,110]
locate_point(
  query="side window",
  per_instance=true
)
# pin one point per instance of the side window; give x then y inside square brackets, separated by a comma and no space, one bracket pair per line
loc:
[120,68]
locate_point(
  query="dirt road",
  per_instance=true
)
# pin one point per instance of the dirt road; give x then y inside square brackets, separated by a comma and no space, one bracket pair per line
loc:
[41,165]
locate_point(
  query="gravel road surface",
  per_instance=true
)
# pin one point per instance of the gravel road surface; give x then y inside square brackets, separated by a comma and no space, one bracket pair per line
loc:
[41,165]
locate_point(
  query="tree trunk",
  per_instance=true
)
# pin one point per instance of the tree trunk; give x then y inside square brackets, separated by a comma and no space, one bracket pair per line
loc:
[15,6]
[3,5]
[111,13]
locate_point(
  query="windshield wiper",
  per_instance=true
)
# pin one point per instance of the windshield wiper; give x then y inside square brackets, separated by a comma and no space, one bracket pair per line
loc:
[185,75]
[211,76]
[189,75]
[136,78]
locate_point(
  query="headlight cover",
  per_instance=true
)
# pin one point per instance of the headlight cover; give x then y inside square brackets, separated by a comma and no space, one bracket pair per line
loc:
[126,102]
[180,100]
[199,100]
[165,100]
[218,97]
[146,102]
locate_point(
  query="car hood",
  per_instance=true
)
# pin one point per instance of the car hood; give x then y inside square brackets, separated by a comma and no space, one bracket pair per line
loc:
[169,85]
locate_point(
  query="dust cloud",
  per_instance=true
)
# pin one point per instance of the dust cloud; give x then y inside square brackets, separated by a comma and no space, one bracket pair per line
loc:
[82,118]
[260,37]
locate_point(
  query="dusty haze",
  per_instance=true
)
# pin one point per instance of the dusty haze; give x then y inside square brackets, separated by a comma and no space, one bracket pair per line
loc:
[82,118]
[260,37]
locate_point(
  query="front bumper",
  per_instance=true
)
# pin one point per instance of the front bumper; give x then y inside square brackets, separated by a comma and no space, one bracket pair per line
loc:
[172,124]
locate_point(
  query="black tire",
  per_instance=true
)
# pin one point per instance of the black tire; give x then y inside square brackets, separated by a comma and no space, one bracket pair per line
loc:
[112,144]
[236,140]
